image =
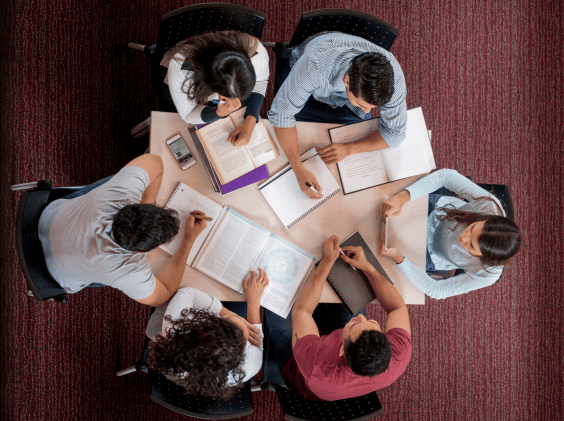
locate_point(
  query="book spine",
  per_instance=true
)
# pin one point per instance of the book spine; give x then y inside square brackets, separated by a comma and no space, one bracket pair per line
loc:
[313,208]
[338,293]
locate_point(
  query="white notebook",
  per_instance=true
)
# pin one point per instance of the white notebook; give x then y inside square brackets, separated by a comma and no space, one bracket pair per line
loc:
[285,197]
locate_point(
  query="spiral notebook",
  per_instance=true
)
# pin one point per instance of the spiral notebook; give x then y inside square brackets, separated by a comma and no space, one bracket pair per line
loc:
[285,197]
[352,286]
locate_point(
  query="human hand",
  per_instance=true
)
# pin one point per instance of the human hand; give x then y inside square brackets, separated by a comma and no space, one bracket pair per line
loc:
[195,226]
[305,176]
[229,105]
[392,206]
[242,134]
[253,287]
[392,252]
[355,257]
[334,153]
[255,337]
[331,249]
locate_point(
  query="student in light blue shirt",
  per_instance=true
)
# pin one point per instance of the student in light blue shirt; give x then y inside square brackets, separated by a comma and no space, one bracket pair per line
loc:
[339,78]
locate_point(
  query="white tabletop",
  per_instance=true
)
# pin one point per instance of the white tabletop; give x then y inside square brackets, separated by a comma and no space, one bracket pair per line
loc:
[340,215]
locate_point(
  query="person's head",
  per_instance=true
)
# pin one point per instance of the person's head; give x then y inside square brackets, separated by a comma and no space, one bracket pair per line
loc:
[492,239]
[221,64]
[365,347]
[369,81]
[143,227]
[201,350]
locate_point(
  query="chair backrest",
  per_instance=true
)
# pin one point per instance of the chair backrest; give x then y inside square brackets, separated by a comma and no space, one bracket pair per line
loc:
[192,20]
[169,395]
[502,192]
[297,408]
[30,251]
[348,21]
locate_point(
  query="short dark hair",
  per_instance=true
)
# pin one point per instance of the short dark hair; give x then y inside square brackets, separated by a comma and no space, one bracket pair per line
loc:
[370,354]
[143,227]
[203,350]
[371,78]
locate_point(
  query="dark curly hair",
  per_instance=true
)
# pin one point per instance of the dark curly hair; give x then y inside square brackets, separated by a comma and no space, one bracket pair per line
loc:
[201,350]
[144,227]
[371,78]
[370,354]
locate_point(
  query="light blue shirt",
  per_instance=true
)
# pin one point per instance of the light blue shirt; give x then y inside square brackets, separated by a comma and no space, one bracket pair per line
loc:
[318,69]
[442,242]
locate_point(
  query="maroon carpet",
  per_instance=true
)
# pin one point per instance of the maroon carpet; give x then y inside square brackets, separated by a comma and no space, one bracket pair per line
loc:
[489,76]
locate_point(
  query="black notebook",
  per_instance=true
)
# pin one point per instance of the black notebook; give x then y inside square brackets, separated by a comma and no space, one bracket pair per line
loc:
[352,286]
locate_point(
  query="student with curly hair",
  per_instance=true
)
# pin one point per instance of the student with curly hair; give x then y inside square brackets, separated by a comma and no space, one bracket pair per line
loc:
[204,347]
[213,74]
[472,234]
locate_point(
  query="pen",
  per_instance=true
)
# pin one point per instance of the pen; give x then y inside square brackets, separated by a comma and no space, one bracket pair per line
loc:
[343,253]
[217,101]
[204,217]
[307,183]
[386,237]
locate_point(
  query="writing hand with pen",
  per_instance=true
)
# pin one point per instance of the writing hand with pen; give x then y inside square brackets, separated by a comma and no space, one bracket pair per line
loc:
[308,182]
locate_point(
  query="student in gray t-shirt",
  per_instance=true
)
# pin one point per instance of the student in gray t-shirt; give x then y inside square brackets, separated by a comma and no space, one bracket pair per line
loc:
[102,236]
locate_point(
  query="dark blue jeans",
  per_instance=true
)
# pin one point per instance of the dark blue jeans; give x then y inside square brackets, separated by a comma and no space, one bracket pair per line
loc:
[328,317]
[82,192]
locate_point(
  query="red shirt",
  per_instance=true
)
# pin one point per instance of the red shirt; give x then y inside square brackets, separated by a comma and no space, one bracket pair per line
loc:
[318,372]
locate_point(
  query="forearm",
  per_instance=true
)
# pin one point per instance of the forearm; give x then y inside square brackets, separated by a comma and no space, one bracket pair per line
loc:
[387,294]
[151,192]
[311,292]
[172,272]
[371,142]
[253,312]
[288,139]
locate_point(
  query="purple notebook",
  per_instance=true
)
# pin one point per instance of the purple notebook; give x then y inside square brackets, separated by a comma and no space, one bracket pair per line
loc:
[258,174]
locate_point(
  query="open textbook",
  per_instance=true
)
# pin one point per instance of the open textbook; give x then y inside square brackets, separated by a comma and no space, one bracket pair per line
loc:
[361,171]
[231,162]
[232,245]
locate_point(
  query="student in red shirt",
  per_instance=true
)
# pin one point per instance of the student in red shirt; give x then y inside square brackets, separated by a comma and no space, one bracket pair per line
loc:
[353,360]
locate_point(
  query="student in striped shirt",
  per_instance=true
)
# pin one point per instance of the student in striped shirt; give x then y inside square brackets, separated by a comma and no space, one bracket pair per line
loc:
[339,78]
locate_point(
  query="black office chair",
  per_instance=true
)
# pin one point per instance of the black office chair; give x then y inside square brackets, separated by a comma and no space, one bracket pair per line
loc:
[503,194]
[297,408]
[168,394]
[30,252]
[348,21]
[192,20]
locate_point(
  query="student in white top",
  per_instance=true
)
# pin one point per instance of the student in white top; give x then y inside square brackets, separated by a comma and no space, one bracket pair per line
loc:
[204,347]
[469,232]
[211,75]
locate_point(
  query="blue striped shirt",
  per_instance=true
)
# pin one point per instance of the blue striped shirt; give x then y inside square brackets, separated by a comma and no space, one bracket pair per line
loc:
[318,69]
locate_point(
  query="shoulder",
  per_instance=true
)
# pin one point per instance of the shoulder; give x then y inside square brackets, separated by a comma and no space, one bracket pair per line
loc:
[400,340]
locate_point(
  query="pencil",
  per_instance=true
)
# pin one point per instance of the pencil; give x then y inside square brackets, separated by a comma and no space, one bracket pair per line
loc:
[204,217]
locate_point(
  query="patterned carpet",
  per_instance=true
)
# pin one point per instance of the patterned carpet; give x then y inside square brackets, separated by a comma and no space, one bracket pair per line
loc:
[489,76]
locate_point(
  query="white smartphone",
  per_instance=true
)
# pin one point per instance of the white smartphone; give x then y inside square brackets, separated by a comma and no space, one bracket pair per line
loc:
[180,151]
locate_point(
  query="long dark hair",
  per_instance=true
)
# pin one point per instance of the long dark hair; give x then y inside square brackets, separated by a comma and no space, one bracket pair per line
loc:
[221,64]
[500,239]
[201,349]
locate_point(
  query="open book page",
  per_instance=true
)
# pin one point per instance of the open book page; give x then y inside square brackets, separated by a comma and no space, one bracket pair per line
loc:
[287,268]
[284,195]
[363,170]
[229,161]
[184,200]
[261,147]
[232,250]
[410,157]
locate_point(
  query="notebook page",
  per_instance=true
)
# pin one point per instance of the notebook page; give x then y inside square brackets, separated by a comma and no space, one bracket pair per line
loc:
[287,267]
[286,198]
[410,158]
[261,148]
[184,200]
[362,170]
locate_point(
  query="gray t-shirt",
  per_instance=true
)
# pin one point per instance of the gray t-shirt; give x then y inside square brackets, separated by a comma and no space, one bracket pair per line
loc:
[79,249]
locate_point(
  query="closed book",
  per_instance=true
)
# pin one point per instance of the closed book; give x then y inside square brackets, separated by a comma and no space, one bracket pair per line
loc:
[352,286]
